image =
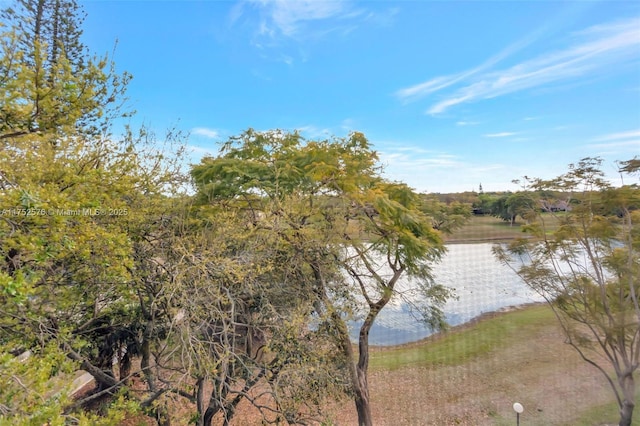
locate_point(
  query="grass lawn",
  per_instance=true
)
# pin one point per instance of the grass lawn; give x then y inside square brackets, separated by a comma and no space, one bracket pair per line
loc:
[489,228]
[474,373]
[486,335]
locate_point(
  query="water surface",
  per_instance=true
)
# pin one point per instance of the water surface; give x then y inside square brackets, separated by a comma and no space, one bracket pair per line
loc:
[481,284]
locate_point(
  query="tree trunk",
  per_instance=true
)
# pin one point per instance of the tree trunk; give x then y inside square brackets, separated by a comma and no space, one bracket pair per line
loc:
[626,413]
[125,368]
[161,412]
[629,390]
[54,42]
[363,405]
[145,364]
[358,372]
[200,404]
[361,385]
[361,398]
[162,415]
[216,400]
[103,379]
[207,419]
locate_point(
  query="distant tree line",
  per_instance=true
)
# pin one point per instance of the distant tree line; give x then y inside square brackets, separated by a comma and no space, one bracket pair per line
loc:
[508,205]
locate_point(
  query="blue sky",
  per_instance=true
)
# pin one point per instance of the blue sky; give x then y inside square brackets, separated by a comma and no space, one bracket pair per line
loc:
[450,93]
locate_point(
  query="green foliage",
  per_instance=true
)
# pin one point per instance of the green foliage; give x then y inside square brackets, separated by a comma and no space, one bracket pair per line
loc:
[630,166]
[35,390]
[343,236]
[320,192]
[446,217]
[588,269]
[102,258]
[75,203]
[50,84]
[509,206]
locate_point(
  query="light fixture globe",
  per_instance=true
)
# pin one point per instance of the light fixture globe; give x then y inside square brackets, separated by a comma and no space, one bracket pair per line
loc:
[518,408]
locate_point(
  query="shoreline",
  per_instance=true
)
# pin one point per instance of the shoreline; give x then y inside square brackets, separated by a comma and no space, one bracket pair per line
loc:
[458,328]
[480,240]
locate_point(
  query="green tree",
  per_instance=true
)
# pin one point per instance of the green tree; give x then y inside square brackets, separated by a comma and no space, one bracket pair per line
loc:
[349,234]
[484,203]
[445,217]
[588,270]
[49,81]
[75,203]
[509,206]
[150,278]
[216,326]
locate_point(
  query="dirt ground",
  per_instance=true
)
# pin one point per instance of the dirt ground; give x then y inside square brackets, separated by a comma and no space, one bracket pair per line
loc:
[545,375]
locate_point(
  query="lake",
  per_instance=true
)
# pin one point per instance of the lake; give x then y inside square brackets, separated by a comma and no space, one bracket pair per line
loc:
[481,284]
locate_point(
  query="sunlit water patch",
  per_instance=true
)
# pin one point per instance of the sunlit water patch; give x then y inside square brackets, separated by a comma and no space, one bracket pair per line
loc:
[481,284]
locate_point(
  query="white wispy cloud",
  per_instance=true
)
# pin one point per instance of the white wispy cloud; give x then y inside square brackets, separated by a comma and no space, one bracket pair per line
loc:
[297,19]
[467,123]
[206,132]
[287,59]
[260,75]
[348,125]
[617,136]
[430,171]
[595,49]
[616,141]
[287,16]
[410,159]
[413,150]
[383,18]
[311,131]
[200,151]
[442,82]
[343,128]
[430,86]
[500,134]
[278,22]
[286,30]
[634,143]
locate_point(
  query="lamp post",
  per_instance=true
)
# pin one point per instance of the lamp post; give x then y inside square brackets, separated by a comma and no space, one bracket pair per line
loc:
[518,408]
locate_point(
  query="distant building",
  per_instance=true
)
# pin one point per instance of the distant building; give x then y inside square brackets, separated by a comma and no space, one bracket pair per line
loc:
[555,206]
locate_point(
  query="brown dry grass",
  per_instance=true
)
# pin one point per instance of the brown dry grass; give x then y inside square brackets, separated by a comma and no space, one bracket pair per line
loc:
[537,370]
[531,365]
[490,229]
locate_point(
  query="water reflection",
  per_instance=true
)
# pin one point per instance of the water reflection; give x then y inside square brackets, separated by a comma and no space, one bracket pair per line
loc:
[481,283]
